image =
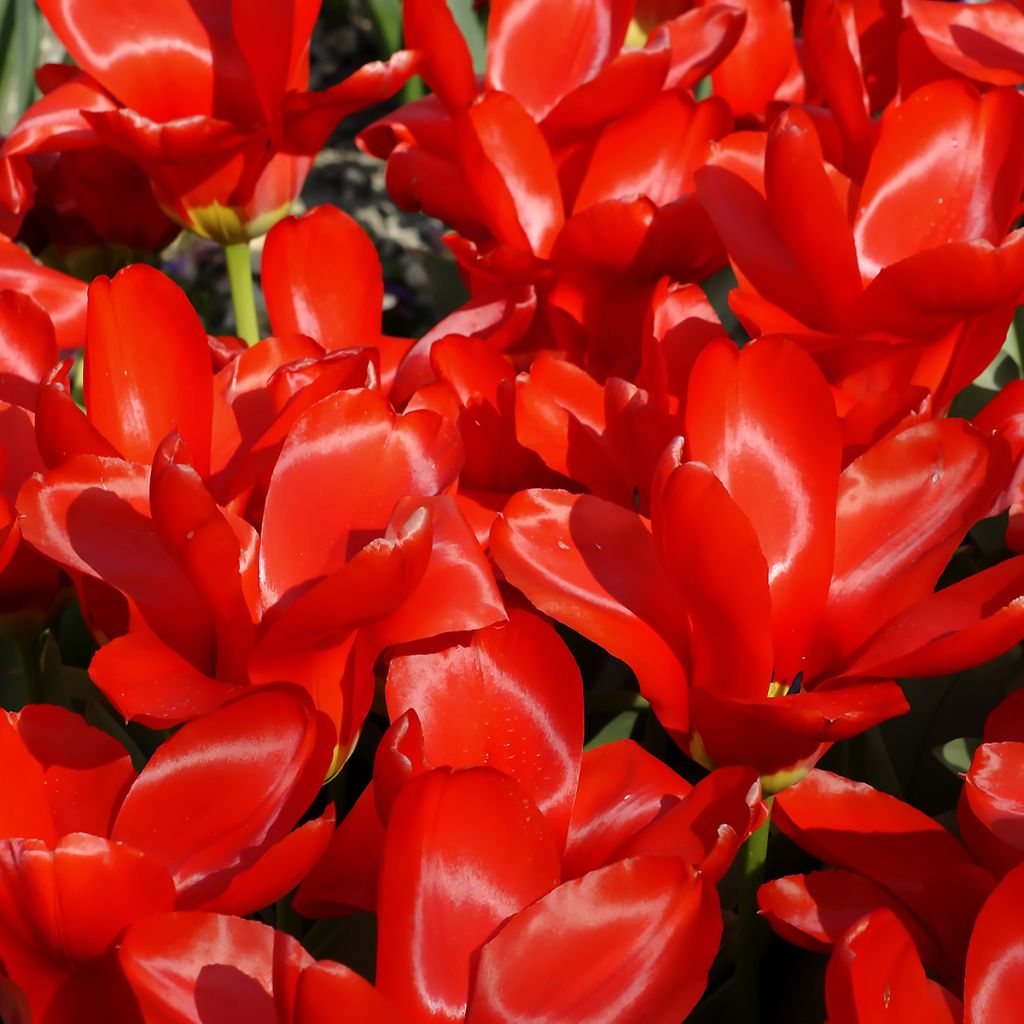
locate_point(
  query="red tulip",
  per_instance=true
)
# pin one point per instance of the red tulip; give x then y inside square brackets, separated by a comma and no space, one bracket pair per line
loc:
[887,855]
[915,285]
[763,629]
[96,846]
[209,100]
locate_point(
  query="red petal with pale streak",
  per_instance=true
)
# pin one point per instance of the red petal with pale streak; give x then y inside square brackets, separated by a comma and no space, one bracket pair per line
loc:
[212,968]
[560,415]
[631,80]
[956,628]
[85,772]
[218,554]
[540,52]
[457,590]
[875,976]
[309,118]
[28,348]
[464,851]
[447,66]
[350,436]
[25,810]
[764,422]
[699,40]
[991,807]
[815,910]
[327,989]
[711,549]
[345,877]
[62,429]
[226,787]
[399,758]
[500,319]
[511,171]
[652,152]
[903,507]
[763,63]
[622,789]
[313,643]
[147,366]
[808,214]
[995,962]
[632,942]
[281,868]
[63,297]
[788,733]
[169,69]
[593,566]
[984,41]
[244,381]
[852,826]
[834,62]
[61,908]
[322,278]
[91,515]
[273,36]
[151,683]
[948,167]
[706,827]
[744,221]
[528,694]
[933,290]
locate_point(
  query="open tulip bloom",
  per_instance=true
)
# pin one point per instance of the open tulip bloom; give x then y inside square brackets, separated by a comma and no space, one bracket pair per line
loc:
[636,641]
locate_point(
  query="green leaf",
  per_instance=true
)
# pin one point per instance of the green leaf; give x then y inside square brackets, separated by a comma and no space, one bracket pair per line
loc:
[619,728]
[21,27]
[956,755]
[472,30]
[387,20]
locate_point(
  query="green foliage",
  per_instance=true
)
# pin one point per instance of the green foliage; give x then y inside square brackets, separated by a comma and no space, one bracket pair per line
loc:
[21,27]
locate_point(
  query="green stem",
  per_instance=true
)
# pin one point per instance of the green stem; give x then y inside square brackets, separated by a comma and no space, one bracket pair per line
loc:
[1018,330]
[750,929]
[243,295]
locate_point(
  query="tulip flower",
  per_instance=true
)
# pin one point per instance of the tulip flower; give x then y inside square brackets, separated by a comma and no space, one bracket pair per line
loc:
[774,595]
[909,283]
[209,99]
[573,178]
[58,200]
[886,855]
[173,576]
[875,973]
[95,846]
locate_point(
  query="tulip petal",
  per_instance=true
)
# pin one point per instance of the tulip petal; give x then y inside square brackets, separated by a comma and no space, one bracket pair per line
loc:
[539,52]
[350,436]
[464,851]
[322,278]
[875,975]
[147,366]
[211,968]
[903,507]
[510,168]
[995,962]
[529,694]
[631,942]
[919,179]
[764,422]
[593,566]
[226,787]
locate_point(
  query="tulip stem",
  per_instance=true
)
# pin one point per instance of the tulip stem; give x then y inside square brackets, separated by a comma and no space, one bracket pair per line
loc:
[243,296]
[750,929]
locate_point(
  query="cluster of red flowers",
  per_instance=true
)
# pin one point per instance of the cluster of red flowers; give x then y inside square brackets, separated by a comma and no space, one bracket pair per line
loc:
[268,541]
